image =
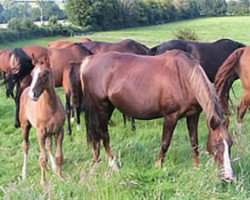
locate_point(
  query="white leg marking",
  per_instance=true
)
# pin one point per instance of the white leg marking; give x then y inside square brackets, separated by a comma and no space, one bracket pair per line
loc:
[34,80]
[25,163]
[72,119]
[78,127]
[113,165]
[228,172]
[53,163]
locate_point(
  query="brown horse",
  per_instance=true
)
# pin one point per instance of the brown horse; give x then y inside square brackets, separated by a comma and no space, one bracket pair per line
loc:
[60,62]
[125,46]
[236,65]
[171,85]
[63,43]
[41,108]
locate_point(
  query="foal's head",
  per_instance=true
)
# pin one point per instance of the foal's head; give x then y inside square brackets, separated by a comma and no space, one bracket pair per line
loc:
[42,77]
[219,146]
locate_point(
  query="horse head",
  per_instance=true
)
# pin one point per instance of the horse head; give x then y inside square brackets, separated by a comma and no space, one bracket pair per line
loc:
[41,77]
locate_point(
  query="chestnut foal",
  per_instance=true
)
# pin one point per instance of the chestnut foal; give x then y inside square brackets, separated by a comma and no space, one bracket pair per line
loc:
[41,108]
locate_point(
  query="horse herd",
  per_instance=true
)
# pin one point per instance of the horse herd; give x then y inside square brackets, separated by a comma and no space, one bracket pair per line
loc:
[170,81]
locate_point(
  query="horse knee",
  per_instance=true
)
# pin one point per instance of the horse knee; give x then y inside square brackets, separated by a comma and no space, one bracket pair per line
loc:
[164,146]
[43,161]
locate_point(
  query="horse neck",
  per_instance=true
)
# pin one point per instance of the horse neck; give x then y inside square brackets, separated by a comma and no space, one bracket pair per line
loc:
[49,97]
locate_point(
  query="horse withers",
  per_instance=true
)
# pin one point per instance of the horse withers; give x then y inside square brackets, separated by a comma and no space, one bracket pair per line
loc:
[41,108]
[172,85]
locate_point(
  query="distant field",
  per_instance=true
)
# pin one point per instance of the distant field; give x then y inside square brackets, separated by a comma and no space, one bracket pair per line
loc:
[136,152]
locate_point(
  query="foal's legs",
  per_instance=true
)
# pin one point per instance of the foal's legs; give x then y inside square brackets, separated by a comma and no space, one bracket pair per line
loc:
[50,152]
[245,103]
[168,129]
[41,134]
[59,153]
[68,111]
[192,123]
[78,117]
[26,143]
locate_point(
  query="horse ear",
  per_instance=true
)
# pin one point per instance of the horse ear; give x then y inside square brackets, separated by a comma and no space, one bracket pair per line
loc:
[34,60]
[214,122]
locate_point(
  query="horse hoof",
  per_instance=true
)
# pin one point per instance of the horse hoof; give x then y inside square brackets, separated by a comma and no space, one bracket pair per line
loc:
[158,164]
[17,124]
[113,165]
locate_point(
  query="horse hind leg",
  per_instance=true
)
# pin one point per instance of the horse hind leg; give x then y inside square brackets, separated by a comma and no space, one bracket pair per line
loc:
[192,123]
[245,103]
[78,117]
[42,158]
[26,143]
[59,153]
[68,111]
[168,129]
[50,152]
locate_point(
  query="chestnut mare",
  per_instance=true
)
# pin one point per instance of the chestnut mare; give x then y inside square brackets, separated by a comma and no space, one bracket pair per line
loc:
[210,55]
[171,85]
[63,43]
[236,65]
[41,108]
[125,46]
[60,60]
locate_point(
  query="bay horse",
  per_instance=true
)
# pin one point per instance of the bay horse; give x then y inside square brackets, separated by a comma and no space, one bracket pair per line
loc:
[60,63]
[237,65]
[41,108]
[172,85]
[210,55]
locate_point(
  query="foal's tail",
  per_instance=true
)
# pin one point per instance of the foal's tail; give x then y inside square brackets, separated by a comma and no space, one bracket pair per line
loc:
[226,76]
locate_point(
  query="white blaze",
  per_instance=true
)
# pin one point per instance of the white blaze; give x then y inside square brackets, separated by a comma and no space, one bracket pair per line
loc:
[34,80]
[228,172]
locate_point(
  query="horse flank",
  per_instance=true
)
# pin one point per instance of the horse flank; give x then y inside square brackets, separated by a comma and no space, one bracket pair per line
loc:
[225,78]
[205,93]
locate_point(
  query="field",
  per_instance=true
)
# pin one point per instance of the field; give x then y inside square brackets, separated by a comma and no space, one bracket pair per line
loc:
[136,152]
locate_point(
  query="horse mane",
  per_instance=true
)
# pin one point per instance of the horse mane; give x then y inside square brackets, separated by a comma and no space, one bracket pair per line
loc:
[225,77]
[205,93]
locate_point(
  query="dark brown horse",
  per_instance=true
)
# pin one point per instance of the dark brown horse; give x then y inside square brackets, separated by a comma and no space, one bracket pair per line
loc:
[236,65]
[210,55]
[60,62]
[41,108]
[172,86]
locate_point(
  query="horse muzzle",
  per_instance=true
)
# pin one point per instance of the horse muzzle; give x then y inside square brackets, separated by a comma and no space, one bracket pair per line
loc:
[34,95]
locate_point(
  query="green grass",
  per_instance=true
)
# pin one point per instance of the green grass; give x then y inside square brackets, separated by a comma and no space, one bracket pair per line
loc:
[136,152]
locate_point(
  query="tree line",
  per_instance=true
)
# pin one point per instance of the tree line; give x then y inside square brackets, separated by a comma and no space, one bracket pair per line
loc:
[115,14]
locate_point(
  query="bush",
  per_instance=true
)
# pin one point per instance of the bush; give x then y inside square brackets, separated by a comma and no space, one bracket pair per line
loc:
[186,34]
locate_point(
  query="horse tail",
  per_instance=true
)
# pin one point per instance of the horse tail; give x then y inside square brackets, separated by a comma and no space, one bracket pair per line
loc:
[204,92]
[225,77]
[92,121]
[75,85]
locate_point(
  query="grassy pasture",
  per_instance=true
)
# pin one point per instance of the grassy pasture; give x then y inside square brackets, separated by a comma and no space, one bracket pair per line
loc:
[136,152]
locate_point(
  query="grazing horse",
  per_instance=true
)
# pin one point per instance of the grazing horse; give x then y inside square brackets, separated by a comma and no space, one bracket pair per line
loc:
[171,85]
[237,65]
[60,63]
[42,108]
[125,46]
[210,55]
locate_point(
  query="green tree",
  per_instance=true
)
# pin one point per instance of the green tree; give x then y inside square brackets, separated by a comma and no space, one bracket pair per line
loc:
[232,7]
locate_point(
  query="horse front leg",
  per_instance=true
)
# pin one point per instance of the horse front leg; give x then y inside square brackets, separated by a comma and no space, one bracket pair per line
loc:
[168,129]
[42,158]
[192,124]
[19,91]
[59,153]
